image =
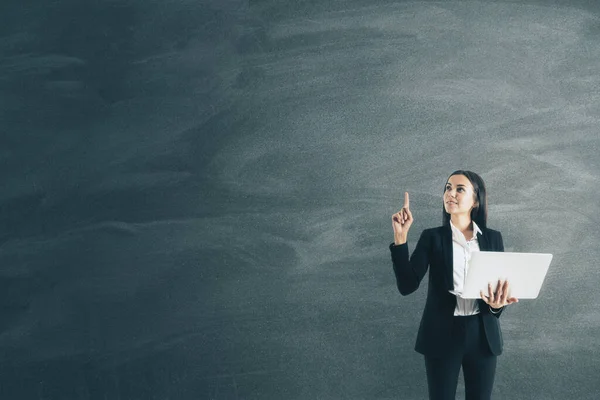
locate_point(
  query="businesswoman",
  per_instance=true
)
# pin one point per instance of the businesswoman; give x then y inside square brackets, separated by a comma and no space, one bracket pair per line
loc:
[454,332]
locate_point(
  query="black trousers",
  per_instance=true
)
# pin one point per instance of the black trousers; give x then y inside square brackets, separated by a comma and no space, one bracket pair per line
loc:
[470,350]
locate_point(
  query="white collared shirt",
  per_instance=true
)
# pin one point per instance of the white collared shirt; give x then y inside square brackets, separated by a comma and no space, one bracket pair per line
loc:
[461,254]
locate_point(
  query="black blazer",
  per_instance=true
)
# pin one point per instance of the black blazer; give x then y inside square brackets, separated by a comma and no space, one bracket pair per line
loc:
[434,250]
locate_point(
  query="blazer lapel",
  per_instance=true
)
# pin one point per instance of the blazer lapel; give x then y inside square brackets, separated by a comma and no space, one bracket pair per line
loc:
[484,245]
[448,257]
[483,242]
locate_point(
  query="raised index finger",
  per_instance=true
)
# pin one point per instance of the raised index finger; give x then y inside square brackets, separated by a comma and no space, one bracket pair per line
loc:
[406,200]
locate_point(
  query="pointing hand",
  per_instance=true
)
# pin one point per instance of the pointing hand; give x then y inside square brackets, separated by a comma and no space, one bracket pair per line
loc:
[402,220]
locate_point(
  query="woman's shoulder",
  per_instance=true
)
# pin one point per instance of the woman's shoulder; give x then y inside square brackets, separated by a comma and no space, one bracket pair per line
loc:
[438,230]
[490,231]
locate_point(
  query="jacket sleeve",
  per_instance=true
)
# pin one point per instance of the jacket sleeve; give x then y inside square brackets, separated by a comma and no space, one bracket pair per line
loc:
[410,271]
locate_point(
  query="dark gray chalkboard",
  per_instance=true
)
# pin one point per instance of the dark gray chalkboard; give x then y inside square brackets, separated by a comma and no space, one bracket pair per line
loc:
[197,195]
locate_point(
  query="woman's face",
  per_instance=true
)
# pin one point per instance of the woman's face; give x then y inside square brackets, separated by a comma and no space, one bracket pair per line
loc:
[459,195]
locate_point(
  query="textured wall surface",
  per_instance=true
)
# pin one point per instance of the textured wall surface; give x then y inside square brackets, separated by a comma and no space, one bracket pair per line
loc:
[196,196]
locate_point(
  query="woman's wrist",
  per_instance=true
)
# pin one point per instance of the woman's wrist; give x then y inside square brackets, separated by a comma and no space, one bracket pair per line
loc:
[399,239]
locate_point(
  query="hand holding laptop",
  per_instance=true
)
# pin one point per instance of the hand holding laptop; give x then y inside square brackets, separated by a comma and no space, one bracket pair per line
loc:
[500,298]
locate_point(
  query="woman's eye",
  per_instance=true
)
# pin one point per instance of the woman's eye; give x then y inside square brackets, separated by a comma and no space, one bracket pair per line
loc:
[461,189]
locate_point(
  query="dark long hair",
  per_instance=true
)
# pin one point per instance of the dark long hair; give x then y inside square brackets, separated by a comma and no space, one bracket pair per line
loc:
[479,212]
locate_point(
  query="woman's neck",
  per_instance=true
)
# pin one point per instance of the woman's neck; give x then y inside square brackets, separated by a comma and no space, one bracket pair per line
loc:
[462,222]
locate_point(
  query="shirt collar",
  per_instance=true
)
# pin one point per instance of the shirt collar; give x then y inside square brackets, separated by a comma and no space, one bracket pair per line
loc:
[476,229]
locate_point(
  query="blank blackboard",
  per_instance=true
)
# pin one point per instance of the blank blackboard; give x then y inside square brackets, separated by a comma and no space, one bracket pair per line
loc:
[196,196]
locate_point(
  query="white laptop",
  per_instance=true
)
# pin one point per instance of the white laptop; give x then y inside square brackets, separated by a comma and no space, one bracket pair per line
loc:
[525,273]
